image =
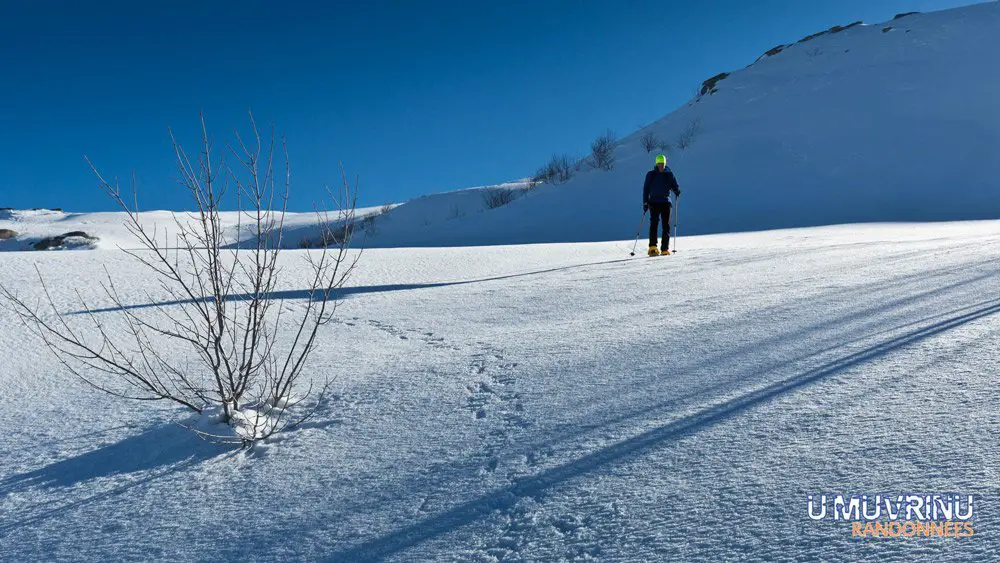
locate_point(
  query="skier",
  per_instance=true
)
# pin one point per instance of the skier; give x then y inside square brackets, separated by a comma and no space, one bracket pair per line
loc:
[660,181]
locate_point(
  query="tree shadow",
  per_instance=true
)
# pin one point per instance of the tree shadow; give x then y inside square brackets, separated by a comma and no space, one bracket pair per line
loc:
[344,292]
[881,310]
[722,388]
[155,453]
[538,484]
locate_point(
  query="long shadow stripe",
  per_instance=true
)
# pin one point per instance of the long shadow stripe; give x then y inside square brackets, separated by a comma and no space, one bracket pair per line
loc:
[535,485]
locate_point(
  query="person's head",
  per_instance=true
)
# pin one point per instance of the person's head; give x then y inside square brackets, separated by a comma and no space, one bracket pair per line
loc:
[661,161]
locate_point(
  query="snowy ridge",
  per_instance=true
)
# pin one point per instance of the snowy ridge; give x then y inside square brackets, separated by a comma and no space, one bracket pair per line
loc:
[371,224]
[108,229]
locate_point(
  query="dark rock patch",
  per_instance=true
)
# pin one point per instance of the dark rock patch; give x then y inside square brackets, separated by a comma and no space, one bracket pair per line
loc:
[834,29]
[59,241]
[710,86]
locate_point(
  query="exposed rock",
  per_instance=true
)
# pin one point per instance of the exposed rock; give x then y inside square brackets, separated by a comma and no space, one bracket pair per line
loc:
[56,242]
[839,28]
[813,36]
[710,86]
[834,29]
[7,234]
[774,51]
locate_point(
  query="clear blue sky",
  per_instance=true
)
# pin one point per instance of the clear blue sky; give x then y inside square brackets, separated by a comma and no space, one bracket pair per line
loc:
[413,97]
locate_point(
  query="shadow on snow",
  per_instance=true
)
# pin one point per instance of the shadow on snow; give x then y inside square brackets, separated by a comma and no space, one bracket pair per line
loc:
[155,453]
[344,292]
[537,485]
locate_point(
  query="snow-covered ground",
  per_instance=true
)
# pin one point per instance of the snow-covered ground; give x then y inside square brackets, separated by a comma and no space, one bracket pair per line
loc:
[548,402]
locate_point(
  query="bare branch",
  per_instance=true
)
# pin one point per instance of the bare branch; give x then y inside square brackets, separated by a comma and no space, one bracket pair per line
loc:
[248,351]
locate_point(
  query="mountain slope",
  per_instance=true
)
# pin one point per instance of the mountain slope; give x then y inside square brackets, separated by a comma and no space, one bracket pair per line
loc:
[891,122]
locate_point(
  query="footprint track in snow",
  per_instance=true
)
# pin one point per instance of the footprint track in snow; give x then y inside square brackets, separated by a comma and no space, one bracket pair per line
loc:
[425,336]
[494,400]
[422,335]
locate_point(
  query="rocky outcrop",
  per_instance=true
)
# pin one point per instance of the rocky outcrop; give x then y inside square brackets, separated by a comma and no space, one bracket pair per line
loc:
[709,86]
[59,241]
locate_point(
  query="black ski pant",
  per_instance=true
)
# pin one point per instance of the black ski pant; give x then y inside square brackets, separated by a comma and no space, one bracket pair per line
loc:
[656,211]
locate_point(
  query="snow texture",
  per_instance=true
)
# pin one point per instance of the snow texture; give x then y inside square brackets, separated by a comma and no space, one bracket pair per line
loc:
[548,402]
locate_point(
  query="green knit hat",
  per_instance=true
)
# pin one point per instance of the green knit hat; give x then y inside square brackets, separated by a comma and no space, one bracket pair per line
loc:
[661,159]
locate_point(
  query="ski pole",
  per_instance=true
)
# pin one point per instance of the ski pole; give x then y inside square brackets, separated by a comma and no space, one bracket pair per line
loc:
[676,205]
[638,232]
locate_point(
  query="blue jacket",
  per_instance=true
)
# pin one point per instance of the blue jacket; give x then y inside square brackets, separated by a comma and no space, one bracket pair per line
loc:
[658,186]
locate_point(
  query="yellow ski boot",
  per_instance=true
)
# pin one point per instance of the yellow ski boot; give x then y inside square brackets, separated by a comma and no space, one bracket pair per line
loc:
[653,251]
[664,252]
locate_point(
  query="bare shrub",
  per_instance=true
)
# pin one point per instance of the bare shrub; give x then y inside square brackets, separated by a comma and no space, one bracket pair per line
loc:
[386,208]
[498,197]
[557,170]
[689,134]
[649,141]
[332,232]
[369,225]
[602,151]
[248,349]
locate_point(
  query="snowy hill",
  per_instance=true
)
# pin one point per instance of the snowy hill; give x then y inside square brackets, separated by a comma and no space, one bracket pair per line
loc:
[889,122]
[529,403]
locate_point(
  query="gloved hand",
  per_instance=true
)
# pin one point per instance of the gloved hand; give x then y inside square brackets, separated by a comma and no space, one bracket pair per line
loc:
[645,207]
[678,192]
